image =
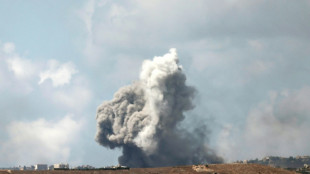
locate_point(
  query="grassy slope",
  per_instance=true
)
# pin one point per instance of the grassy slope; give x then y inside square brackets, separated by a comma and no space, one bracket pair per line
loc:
[217,168]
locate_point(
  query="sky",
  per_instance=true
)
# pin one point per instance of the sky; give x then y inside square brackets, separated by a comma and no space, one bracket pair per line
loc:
[59,60]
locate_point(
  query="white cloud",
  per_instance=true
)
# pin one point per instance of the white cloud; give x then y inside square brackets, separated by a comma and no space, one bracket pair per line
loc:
[92,51]
[204,60]
[40,141]
[256,44]
[75,98]
[277,126]
[22,68]
[16,72]
[8,47]
[86,14]
[60,74]
[270,131]
[259,67]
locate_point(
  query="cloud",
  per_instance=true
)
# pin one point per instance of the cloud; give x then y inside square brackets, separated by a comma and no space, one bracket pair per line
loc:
[277,126]
[75,98]
[60,74]
[204,60]
[259,67]
[22,68]
[119,25]
[25,70]
[29,134]
[256,44]
[92,51]
[16,70]
[40,141]
[8,47]
[87,13]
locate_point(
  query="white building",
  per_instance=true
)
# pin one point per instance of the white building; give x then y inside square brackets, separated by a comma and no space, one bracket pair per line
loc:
[61,166]
[40,167]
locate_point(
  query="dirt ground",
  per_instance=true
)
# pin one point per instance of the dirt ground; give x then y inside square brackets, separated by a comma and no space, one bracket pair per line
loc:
[247,169]
[211,169]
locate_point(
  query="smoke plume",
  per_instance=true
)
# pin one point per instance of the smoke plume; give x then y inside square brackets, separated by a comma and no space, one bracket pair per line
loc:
[143,119]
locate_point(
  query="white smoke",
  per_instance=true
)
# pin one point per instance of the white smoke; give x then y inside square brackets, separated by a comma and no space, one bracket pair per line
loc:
[152,78]
[143,117]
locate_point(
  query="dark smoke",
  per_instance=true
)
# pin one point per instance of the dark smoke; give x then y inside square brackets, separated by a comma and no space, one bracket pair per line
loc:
[143,119]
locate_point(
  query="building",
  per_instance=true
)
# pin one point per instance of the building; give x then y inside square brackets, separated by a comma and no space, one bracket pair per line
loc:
[26,168]
[61,166]
[84,167]
[40,167]
[51,167]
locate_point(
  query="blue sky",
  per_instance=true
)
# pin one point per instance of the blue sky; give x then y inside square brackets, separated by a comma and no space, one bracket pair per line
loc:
[249,61]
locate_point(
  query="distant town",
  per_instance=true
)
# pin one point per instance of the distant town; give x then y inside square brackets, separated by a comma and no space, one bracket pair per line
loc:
[62,166]
[300,164]
[43,167]
[281,162]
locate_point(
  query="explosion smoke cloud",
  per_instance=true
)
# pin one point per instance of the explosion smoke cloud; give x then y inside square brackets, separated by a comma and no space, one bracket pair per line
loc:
[143,119]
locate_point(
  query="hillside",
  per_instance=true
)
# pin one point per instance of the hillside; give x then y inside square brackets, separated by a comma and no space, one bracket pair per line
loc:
[211,169]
